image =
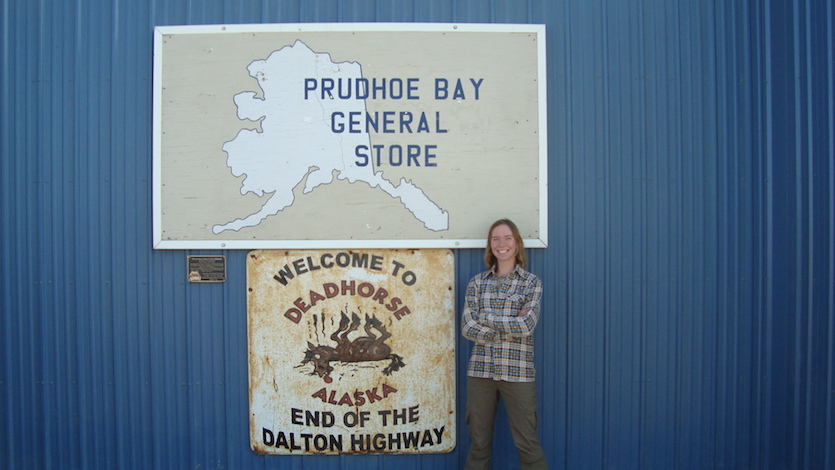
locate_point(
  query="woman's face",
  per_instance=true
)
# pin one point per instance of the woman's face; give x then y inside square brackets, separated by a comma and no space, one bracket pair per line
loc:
[503,244]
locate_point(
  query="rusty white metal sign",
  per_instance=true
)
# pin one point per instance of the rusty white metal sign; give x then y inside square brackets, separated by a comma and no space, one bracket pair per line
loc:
[351,351]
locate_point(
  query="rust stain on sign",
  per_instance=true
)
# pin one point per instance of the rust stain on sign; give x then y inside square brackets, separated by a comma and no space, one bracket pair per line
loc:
[351,351]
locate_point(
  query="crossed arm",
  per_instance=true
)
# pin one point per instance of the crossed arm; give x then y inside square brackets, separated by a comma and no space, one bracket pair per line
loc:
[483,325]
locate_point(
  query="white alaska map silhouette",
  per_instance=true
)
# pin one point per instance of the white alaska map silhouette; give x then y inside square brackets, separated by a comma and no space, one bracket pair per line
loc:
[296,143]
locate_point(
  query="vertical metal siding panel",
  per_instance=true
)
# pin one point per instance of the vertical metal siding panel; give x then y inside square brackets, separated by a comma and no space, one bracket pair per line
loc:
[364,11]
[37,311]
[725,73]
[512,12]
[737,416]
[20,383]
[69,258]
[171,428]
[689,77]
[236,377]
[829,412]
[170,13]
[125,346]
[8,297]
[243,11]
[801,241]
[161,366]
[782,408]
[821,237]
[798,367]
[760,98]
[131,73]
[589,231]
[736,238]
[47,165]
[780,405]
[210,12]
[320,11]
[282,12]
[553,367]
[552,332]
[586,229]
[624,240]
[465,266]
[708,143]
[101,400]
[695,183]
[204,360]
[405,11]
[660,345]
[803,205]
[81,174]
[434,10]
[726,244]
[194,315]
[599,199]
[685,257]
[474,11]
[46,307]
[60,259]
[829,434]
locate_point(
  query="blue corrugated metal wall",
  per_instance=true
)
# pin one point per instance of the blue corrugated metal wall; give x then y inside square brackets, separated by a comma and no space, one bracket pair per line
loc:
[689,318]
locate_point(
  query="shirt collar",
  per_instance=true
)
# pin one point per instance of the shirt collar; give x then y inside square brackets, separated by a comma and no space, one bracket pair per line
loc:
[516,270]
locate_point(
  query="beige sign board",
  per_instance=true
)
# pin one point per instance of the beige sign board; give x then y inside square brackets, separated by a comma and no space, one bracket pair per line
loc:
[371,135]
[351,351]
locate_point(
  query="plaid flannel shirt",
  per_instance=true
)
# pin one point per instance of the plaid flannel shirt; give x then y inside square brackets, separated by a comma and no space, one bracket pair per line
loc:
[503,347]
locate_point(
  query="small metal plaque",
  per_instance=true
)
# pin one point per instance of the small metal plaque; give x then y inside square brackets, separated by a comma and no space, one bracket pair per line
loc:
[203,268]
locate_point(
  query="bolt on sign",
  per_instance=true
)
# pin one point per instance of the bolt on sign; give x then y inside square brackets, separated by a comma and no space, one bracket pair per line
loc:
[351,351]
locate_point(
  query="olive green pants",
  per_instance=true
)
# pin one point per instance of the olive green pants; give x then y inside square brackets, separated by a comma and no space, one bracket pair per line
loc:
[520,404]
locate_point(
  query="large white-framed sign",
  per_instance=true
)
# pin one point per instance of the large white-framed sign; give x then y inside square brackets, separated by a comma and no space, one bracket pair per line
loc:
[348,135]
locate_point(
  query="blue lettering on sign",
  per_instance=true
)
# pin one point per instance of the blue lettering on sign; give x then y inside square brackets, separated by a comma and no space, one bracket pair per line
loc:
[458,93]
[393,155]
[390,122]
[388,88]
[387,122]
[361,88]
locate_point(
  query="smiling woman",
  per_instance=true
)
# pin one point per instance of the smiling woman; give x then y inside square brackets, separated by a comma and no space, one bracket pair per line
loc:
[500,314]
